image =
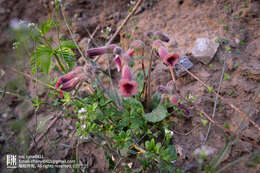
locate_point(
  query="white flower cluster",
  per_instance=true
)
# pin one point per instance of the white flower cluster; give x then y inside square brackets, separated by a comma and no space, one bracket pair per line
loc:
[82,111]
[203,151]
[20,24]
[16,45]
[168,132]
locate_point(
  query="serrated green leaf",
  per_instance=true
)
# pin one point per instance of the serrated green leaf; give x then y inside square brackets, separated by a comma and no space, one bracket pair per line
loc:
[47,26]
[68,44]
[67,55]
[169,153]
[156,115]
[42,58]
[45,62]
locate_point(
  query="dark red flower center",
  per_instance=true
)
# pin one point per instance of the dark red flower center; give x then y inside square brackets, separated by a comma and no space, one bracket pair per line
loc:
[171,60]
[128,88]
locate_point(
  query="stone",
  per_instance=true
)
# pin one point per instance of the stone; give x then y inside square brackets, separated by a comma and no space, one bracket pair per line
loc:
[257,96]
[24,110]
[253,48]
[205,50]
[251,69]
[185,62]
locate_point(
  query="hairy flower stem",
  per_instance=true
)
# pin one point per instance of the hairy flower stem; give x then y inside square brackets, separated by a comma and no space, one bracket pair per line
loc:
[145,79]
[174,80]
[148,90]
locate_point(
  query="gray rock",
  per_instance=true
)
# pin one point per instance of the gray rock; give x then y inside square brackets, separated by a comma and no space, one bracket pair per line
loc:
[251,69]
[185,61]
[204,50]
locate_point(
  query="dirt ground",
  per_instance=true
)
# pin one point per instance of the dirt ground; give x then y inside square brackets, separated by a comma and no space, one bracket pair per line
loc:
[184,21]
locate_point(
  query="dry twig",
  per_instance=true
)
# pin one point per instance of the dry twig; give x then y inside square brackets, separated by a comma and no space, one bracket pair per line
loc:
[223,99]
[123,24]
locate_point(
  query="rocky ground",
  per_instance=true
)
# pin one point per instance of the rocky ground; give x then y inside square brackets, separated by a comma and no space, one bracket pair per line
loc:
[185,21]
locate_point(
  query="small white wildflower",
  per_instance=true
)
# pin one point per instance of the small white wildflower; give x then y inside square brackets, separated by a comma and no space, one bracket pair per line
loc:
[130,164]
[16,45]
[108,29]
[85,138]
[203,152]
[83,126]
[14,23]
[132,2]
[237,40]
[103,143]
[113,158]
[173,161]
[169,132]
[82,117]
[4,115]
[82,110]
[31,25]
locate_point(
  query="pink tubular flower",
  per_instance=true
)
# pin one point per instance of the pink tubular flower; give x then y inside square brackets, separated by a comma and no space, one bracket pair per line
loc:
[128,56]
[137,45]
[169,59]
[118,62]
[70,80]
[101,50]
[174,100]
[127,86]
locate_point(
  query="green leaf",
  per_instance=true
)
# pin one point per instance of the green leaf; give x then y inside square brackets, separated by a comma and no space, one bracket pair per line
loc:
[204,122]
[42,57]
[47,26]
[227,48]
[45,61]
[156,115]
[210,89]
[156,98]
[227,77]
[68,44]
[169,154]
[67,55]
[226,27]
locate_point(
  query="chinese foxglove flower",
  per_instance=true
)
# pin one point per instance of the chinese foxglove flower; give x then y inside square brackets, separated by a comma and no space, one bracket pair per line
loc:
[118,62]
[137,45]
[101,50]
[168,58]
[127,86]
[70,80]
[128,56]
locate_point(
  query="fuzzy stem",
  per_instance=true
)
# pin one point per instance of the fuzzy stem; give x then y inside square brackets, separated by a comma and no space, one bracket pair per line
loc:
[174,81]
[143,68]
[148,90]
